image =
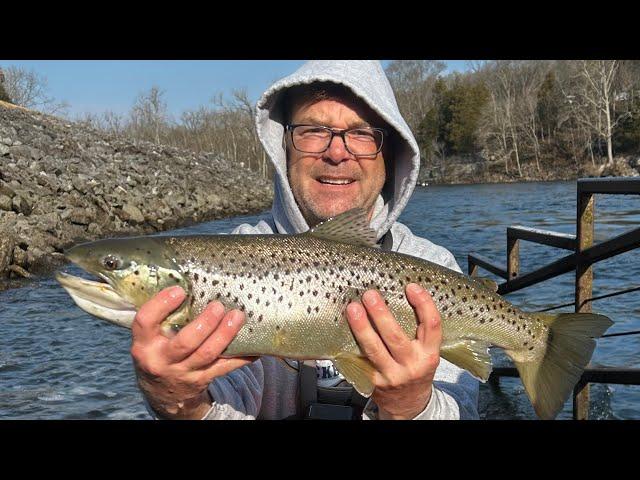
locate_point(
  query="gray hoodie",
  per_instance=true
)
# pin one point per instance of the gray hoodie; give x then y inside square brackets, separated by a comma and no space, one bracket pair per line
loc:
[268,389]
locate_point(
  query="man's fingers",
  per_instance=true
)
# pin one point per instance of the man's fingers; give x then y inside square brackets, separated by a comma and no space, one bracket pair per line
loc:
[146,324]
[194,333]
[397,342]
[430,328]
[369,341]
[217,342]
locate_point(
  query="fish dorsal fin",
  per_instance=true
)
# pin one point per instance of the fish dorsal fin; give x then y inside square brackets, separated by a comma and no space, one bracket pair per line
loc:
[350,227]
[488,283]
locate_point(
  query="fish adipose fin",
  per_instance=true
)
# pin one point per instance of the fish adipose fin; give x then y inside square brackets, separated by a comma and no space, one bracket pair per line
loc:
[550,379]
[472,355]
[349,227]
[358,371]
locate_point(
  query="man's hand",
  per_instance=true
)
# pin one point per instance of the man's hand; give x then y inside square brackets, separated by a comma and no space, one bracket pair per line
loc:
[174,373]
[405,367]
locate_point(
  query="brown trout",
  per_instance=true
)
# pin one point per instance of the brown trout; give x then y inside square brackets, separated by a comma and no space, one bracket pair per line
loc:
[294,290]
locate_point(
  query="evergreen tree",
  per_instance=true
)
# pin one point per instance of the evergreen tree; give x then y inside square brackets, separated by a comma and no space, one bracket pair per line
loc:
[463,107]
[549,103]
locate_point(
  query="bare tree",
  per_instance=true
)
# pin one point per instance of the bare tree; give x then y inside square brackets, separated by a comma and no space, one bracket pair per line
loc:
[412,82]
[149,114]
[596,91]
[30,90]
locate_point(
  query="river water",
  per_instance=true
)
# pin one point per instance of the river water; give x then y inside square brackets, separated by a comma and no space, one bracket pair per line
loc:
[56,362]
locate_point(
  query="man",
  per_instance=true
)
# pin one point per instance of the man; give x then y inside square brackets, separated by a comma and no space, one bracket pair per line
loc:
[337,140]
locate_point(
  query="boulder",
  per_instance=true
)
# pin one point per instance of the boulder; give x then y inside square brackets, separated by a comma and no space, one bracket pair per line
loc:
[5,203]
[132,214]
[21,205]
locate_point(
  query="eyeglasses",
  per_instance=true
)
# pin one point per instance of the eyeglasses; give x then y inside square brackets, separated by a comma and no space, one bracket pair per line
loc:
[361,142]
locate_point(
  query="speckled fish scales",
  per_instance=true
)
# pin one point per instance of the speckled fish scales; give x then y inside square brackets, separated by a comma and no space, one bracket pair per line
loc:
[294,290]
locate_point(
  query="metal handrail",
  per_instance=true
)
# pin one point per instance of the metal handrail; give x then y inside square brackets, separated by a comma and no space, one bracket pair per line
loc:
[584,255]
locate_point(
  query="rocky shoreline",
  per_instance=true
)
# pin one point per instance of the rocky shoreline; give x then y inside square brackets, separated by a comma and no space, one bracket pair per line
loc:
[473,171]
[62,183]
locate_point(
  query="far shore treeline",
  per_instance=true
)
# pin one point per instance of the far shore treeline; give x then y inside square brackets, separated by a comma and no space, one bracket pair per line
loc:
[504,120]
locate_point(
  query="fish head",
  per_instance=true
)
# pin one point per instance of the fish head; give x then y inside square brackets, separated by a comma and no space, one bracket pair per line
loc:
[132,271]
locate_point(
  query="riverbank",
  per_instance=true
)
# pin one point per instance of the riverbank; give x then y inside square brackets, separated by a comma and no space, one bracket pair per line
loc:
[62,183]
[459,171]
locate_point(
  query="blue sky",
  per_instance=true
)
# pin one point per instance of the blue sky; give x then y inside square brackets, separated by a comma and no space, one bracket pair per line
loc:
[97,86]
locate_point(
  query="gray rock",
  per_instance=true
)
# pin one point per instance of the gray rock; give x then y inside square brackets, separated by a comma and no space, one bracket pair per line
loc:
[6,253]
[19,256]
[7,190]
[5,203]
[79,216]
[4,150]
[21,205]
[132,214]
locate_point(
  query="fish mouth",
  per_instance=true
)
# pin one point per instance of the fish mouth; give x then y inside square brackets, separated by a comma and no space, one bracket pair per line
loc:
[98,299]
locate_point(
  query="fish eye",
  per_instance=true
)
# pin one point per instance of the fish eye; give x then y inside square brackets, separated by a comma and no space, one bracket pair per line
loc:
[111,262]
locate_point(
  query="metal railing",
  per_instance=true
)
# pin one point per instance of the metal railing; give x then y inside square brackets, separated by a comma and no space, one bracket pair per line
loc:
[584,255]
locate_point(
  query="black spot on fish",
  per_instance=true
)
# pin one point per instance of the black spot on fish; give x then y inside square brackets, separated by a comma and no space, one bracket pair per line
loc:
[482,320]
[260,318]
[464,299]
[137,272]
[459,312]
[196,277]
[201,294]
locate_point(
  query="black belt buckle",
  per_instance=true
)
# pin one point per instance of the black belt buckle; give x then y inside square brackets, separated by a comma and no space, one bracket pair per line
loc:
[318,411]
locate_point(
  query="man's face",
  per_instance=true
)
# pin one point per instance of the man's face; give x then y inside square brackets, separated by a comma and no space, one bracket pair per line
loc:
[329,183]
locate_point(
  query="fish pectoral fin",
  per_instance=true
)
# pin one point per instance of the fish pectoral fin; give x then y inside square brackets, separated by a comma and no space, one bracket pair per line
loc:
[358,371]
[472,355]
[350,227]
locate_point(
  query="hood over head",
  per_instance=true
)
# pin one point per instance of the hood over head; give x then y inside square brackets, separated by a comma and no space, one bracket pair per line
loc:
[368,81]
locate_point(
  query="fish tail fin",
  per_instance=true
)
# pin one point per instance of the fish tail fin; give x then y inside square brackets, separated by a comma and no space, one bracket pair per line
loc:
[549,379]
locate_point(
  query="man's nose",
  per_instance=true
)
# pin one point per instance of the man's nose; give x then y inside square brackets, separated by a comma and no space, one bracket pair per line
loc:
[337,151]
